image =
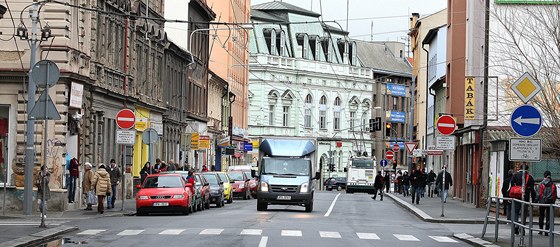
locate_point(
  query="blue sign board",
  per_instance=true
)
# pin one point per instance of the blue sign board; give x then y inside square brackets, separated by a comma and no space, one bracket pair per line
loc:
[397,117]
[247,146]
[383,163]
[396,90]
[526,120]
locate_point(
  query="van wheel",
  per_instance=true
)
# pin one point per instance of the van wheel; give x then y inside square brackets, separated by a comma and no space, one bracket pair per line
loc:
[230,199]
[261,206]
[309,207]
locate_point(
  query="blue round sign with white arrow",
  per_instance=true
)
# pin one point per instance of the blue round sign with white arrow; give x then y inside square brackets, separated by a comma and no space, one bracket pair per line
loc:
[383,163]
[526,120]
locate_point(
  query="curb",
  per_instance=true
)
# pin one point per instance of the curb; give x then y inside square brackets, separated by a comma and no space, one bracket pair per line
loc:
[40,237]
[427,218]
[474,241]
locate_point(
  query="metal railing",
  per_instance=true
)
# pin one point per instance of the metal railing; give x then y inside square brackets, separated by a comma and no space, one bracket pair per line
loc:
[526,206]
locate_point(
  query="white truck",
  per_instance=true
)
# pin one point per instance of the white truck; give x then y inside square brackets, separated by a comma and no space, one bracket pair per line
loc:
[286,173]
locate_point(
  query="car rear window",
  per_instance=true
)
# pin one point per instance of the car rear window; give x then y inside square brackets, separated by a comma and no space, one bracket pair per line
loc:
[211,178]
[236,176]
[223,177]
[163,182]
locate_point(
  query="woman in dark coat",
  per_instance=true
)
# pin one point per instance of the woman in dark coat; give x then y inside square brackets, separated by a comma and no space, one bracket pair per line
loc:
[147,169]
[505,193]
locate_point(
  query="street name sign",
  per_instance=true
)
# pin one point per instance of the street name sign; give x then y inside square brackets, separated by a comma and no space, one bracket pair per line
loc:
[125,119]
[127,137]
[389,155]
[383,163]
[418,152]
[446,125]
[410,146]
[526,87]
[445,142]
[524,149]
[526,120]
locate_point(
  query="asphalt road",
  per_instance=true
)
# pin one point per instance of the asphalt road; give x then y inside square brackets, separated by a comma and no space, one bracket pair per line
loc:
[353,220]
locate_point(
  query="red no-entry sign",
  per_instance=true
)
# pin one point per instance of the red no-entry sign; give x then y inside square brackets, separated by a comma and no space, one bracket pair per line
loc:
[396,147]
[446,125]
[125,119]
[389,155]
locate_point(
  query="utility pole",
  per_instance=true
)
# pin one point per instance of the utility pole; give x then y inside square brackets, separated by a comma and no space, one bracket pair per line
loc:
[30,126]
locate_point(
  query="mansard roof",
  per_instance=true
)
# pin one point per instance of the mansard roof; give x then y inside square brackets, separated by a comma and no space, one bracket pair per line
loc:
[284,7]
[377,57]
[257,14]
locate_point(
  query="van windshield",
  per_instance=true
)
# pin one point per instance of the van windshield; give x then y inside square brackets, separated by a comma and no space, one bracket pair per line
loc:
[286,166]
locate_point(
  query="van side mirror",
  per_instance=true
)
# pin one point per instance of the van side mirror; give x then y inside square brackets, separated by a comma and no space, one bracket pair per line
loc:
[317,175]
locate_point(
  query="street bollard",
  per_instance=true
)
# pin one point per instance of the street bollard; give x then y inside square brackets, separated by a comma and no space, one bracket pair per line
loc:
[512,221]
[531,225]
[551,228]
[497,221]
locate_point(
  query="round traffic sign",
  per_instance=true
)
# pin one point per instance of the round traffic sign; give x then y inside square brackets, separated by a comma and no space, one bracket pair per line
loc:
[45,73]
[383,163]
[125,119]
[526,120]
[396,147]
[389,155]
[149,136]
[446,125]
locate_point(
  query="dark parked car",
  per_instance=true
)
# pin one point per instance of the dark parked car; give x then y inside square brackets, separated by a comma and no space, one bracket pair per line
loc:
[338,183]
[204,188]
[216,188]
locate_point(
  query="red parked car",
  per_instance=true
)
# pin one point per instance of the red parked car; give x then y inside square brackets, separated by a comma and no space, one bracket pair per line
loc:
[164,193]
[253,182]
[240,186]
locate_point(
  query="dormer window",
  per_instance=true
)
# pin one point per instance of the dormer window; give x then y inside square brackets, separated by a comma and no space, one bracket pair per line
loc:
[303,44]
[343,50]
[326,44]
[270,39]
[353,53]
[281,43]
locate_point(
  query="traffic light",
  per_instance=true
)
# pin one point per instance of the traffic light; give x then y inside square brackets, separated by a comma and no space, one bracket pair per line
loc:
[331,167]
[388,129]
[371,125]
[378,124]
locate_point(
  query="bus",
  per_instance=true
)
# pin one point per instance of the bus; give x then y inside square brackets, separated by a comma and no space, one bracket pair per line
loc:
[360,175]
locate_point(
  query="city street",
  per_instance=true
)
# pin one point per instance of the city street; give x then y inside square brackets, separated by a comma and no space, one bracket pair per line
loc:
[354,220]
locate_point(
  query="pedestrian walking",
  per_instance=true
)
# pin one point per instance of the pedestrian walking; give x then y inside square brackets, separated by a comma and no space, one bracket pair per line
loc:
[378,186]
[416,183]
[547,195]
[171,166]
[115,175]
[505,193]
[87,188]
[530,194]
[406,184]
[157,166]
[146,170]
[102,184]
[443,187]
[431,183]
[398,182]
[423,182]
[42,181]
[74,174]
[387,181]
[204,168]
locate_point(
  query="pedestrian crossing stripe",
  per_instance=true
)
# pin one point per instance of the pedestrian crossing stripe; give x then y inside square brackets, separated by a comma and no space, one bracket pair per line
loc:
[259,232]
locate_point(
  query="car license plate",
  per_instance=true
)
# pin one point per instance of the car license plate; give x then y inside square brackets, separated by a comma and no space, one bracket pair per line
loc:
[287,198]
[161,204]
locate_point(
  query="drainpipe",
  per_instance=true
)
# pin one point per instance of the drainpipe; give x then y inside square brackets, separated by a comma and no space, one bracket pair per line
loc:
[426,100]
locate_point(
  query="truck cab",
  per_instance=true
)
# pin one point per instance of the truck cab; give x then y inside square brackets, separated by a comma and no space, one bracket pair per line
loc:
[286,173]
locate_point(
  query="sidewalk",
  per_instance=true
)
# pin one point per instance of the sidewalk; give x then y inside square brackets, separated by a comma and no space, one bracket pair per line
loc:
[23,230]
[466,220]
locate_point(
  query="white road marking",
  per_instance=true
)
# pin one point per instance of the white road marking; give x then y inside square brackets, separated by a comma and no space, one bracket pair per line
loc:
[91,232]
[405,237]
[332,206]
[363,235]
[130,232]
[443,239]
[171,232]
[251,232]
[263,242]
[291,233]
[329,234]
[211,231]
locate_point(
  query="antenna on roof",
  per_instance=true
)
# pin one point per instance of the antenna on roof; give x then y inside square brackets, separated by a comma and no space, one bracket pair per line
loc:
[371,31]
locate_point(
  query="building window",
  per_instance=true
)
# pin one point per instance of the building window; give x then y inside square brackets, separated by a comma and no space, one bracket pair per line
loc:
[271,115]
[307,119]
[308,98]
[336,120]
[352,120]
[285,115]
[322,119]
[395,103]
[337,101]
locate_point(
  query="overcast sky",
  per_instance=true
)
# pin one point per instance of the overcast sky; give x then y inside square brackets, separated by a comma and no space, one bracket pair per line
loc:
[390,18]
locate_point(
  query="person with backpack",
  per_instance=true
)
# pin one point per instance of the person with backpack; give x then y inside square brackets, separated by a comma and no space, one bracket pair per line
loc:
[547,195]
[515,192]
[505,193]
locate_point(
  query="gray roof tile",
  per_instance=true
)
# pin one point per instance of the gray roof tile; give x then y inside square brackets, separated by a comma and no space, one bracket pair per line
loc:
[284,7]
[375,56]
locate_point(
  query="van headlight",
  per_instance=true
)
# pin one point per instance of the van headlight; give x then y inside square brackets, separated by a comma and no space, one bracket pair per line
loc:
[264,187]
[304,188]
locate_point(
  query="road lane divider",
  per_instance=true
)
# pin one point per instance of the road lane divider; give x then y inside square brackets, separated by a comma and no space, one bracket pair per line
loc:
[263,242]
[332,205]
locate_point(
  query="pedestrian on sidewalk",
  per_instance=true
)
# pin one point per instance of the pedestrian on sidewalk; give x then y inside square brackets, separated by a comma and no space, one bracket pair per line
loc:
[163,167]
[157,166]
[406,184]
[102,184]
[86,184]
[431,183]
[74,174]
[547,195]
[42,182]
[505,193]
[423,182]
[171,166]
[378,186]
[147,169]
[416,183]
[530,194]
[398,182]
[115,176]
[387,181]
[444,187]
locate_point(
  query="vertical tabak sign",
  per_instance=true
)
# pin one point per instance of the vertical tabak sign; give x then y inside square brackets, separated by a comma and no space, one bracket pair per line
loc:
[469,98]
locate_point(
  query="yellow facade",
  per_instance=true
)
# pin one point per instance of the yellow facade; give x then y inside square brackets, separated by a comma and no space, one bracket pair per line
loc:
[140,156]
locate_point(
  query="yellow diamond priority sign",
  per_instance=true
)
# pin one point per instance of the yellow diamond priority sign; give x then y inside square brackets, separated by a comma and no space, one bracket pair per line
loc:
[526,87]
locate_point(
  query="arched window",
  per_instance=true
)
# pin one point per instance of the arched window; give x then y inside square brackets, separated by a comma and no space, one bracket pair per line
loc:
[272,100]
[323,112]
[337,101]
[308,99]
